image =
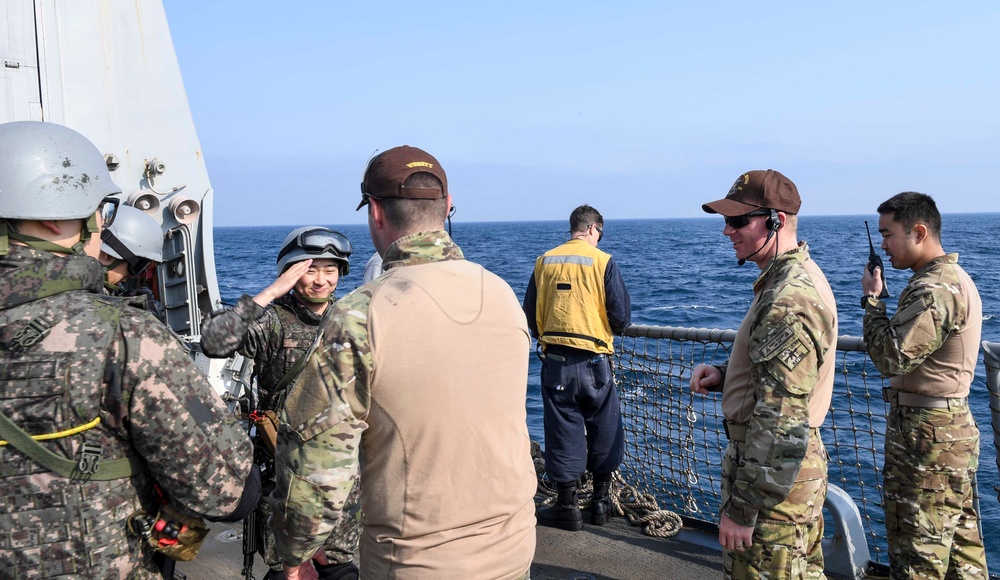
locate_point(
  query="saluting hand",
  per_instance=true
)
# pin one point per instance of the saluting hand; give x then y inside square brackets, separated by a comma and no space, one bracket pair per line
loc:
[704,377]
[285,282]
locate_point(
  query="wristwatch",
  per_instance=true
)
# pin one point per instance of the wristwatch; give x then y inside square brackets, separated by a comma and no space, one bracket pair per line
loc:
[869,299]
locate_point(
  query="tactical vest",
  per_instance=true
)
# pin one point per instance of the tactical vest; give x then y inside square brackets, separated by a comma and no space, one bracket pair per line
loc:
[292,337]
[571,307]
[56,356]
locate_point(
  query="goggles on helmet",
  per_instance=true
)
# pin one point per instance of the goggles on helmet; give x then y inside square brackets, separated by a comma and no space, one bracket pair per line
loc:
[136,264]
[319,241]
[108,210]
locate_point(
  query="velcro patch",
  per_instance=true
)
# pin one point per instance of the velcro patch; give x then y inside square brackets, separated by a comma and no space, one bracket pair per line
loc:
[793,354]
[778,339]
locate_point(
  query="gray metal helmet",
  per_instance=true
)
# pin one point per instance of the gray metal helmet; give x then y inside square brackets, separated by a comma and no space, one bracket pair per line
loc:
[50,172]
[314,243]
[137,231]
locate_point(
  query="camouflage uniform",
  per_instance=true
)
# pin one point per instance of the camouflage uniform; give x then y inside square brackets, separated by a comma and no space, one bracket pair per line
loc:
[59,337]
[931,453]
[776,392]
[326,413]
[275,337]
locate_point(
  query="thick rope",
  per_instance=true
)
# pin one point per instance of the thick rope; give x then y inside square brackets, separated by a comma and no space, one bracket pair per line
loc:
[627,501]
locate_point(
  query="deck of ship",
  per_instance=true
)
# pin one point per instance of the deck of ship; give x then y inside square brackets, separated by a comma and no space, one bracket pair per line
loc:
[617,551]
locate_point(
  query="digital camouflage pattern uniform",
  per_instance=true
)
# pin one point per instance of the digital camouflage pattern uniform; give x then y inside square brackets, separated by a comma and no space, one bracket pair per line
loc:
[275,337]
[63,345]
[931,454]
[777,389]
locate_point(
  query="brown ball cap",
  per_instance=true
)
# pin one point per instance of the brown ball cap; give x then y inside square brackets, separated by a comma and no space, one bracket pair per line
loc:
[756,190]
[388,171]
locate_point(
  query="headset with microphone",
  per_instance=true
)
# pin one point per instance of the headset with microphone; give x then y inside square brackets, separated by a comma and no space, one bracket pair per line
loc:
[773,224]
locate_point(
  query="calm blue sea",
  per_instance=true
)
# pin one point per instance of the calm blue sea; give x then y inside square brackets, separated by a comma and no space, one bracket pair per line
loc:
[680,272]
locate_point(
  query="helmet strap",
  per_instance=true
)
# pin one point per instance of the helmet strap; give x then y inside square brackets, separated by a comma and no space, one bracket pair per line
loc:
[107,268]
[4,245]
[312,300]
[45,245]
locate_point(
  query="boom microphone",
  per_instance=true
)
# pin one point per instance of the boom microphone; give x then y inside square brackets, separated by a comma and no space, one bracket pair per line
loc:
[742,261]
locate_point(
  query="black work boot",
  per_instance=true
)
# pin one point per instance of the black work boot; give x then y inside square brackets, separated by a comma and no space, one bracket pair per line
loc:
[565,513]
[600,504]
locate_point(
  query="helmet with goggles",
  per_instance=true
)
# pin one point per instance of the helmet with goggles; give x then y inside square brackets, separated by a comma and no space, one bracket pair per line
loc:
[315,243]
[133,237]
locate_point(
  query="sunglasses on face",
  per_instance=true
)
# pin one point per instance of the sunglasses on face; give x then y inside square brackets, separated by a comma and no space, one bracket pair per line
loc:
[600,233]
[741,221]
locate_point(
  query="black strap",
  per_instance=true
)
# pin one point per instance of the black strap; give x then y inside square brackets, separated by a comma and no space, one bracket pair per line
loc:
[595,340]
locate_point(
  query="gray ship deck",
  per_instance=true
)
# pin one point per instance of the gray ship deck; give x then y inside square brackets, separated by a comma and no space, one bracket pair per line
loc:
[616,551]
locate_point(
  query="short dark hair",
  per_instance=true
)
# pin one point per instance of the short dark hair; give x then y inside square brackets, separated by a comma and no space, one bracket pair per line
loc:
[583,216]
[911,208]
[419,214]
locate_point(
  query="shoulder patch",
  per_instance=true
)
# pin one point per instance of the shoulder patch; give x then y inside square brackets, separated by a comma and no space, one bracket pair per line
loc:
[783,342]
[777,339]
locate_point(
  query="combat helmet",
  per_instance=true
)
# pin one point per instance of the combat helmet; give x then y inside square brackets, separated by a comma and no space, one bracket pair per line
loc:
[134,237]
[50,172]
[314,243]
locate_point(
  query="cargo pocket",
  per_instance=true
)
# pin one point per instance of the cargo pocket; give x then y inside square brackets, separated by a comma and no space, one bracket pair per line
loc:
[305,499]
[775,549]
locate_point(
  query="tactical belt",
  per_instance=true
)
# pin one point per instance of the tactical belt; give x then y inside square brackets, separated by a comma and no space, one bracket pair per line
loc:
[923,401]
[89,467]
[736,431]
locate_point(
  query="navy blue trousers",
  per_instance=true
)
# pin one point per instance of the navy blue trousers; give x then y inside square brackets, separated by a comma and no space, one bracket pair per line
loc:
[583,420]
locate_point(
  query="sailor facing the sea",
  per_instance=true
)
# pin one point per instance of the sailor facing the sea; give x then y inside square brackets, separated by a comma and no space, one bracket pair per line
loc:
[929,348]
[275,329]
[776,389]
[575,300]
[424,372]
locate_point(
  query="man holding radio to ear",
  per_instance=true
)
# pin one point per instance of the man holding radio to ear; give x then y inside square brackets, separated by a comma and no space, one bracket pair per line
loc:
[776,389]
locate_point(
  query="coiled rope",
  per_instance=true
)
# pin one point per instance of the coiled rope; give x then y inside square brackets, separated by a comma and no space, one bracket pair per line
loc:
[627,501]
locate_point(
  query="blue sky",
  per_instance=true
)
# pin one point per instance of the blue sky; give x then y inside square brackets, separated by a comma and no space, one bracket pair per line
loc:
[642,109]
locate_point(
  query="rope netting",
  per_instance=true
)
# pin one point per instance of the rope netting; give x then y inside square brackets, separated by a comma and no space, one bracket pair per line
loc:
[675,440]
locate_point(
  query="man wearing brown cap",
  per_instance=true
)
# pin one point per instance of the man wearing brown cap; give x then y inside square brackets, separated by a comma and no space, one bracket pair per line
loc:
[776,389]
[423,371]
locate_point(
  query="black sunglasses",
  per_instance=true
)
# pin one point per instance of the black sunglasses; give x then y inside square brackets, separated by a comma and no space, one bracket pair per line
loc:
[741,221]
[600,233]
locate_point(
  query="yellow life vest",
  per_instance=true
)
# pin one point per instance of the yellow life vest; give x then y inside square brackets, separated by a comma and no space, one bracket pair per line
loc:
[570,308]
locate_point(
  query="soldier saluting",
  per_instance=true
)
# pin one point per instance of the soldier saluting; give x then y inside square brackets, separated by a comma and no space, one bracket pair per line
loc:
[99,401]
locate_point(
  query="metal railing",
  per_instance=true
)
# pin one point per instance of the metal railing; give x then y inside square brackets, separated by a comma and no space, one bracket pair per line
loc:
[675,439]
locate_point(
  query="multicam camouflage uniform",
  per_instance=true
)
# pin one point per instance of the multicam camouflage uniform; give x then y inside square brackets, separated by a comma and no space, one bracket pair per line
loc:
[275,337]
[321,428]
[931,454]
[774,469]
[59,338]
